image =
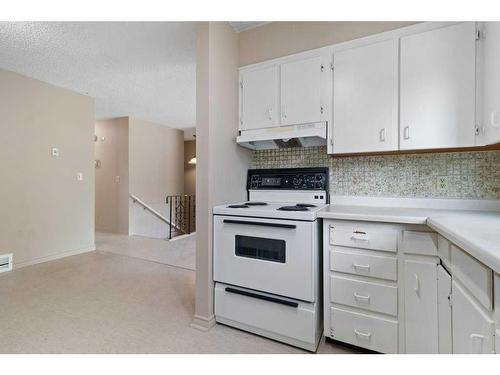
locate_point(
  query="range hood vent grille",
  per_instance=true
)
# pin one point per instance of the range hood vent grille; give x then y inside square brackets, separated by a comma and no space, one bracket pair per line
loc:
[288,143]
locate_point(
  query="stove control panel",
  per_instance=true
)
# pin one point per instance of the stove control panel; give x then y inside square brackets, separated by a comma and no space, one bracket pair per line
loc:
[288,179]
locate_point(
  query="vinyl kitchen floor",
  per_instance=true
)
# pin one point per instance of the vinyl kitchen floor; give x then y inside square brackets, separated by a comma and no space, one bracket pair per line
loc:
[103,302]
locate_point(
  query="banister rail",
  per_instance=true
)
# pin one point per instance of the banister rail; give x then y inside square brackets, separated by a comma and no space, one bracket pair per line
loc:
[182,210]
[149,208]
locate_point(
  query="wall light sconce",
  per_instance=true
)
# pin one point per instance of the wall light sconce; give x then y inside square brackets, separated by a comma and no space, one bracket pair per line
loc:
[192,161]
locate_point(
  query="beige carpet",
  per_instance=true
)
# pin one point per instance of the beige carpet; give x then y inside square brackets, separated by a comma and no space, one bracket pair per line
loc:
[101,302]
[179,252]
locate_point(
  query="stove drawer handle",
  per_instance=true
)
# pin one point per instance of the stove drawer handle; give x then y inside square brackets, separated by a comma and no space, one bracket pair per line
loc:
[262,297]
[275,225]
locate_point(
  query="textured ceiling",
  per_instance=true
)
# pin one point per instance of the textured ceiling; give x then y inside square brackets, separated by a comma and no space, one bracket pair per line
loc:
[141,69]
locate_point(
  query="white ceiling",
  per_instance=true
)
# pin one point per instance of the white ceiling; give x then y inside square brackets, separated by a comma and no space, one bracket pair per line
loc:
[242,26]
[141,69]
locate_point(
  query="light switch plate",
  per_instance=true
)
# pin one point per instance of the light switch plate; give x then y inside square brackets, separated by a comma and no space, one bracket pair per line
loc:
[79,176]
[54,152]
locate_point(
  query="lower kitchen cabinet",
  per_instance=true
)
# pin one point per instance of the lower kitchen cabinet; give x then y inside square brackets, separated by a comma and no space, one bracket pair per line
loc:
[473,329]
[395,288]
[497,341]
[421,306]
[444,311]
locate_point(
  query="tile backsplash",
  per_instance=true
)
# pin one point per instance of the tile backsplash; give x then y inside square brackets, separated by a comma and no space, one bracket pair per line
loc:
[464,175]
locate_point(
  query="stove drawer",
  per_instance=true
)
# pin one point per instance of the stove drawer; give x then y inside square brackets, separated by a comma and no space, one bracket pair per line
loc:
[364,237]
[364,295]
[364,330]
[379,266]
[294,322]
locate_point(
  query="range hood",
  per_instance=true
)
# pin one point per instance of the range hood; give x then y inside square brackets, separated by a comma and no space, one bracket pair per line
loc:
[305,135]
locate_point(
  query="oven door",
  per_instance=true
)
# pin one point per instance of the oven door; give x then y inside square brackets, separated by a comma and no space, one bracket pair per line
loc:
[274,256]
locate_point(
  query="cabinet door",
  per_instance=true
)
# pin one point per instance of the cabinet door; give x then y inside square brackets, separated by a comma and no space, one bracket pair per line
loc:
[421,307]
[437,88]
[365,98]
[472,328]
[490,82]
[301,91]
[444,311]
[259,98]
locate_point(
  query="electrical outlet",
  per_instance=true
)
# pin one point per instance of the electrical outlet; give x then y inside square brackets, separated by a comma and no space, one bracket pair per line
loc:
[442,183]
[79,176]
[54,152]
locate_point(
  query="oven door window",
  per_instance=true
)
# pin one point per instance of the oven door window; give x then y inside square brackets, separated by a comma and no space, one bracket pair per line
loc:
[260,248]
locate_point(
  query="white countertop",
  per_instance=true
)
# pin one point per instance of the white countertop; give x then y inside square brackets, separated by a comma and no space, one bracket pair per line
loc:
[477,232]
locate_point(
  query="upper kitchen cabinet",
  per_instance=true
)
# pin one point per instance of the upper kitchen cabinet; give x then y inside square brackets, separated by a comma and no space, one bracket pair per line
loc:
[489,82]
[437,88]
[365,98]
[259,98]
[300,89]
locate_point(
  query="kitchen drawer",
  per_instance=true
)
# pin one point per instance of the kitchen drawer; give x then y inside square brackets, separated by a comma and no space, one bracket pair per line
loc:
[422,243]
[296,324]
[364,330]
[364,294]
[364,237]
[382,267]
[497,297]
[497,341]
[474,275]
[444,250]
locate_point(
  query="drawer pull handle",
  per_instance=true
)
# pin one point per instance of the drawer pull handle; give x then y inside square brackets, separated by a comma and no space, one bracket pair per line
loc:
[359,236]
[262,297]
[361,298]
[473,338]
[363,335]
[361,267]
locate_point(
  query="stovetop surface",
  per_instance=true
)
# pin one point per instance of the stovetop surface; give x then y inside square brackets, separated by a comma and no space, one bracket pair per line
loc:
[272,210]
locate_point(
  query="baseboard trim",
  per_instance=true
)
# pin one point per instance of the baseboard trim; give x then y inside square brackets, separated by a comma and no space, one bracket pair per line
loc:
[202,323]
[53,257]
[182,236]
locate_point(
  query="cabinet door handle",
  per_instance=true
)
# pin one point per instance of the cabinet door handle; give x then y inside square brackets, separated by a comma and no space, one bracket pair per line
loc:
[417,284]
[473,338]
[361,267]
[406,132]
[361,298]
[381,135]
[283,113]
[494,117]
[270,114]
[364,335]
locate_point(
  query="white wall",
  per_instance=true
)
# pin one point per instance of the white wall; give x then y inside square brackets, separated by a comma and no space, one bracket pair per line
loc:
[156,169]
[111,178]
[221,164]
[278,39]
[45,213]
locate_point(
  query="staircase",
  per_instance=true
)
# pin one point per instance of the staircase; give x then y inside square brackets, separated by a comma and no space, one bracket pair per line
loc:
[182,217]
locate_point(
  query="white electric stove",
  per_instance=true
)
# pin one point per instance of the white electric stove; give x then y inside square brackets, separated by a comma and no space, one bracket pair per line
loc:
[267,256]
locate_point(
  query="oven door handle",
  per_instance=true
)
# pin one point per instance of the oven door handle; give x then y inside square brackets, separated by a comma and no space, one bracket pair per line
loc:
[259,223]
[262,297]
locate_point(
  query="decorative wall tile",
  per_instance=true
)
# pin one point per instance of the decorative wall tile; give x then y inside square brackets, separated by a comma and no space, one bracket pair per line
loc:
[468,175]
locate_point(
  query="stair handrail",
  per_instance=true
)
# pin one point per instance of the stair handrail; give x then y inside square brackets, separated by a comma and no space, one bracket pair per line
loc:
[135,199]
